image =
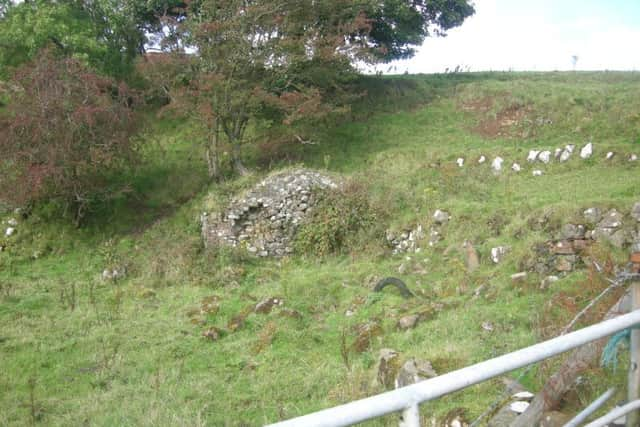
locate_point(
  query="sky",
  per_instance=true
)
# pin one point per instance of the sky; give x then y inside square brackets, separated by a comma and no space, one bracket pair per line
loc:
[535,35]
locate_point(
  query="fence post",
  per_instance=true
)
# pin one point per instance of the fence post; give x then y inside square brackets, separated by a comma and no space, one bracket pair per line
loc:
[411,416]
[633,418]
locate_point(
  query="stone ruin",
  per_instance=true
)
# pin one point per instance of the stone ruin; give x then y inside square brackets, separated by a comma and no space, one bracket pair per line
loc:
[265,219]
[569,249]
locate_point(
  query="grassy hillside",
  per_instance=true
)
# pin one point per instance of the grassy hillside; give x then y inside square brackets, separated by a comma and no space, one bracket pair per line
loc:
[78,350]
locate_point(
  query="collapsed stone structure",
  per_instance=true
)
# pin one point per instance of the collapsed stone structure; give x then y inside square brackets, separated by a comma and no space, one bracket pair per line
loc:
[570,248]
[265,219]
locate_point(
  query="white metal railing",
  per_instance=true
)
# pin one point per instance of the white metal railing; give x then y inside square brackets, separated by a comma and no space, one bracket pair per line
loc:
[615,414]
[589,410]
[407,399]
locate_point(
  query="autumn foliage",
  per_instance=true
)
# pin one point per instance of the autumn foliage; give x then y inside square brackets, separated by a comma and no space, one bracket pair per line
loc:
[64,134]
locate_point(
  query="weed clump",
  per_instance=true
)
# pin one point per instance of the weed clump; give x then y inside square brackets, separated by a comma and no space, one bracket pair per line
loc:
[340,221]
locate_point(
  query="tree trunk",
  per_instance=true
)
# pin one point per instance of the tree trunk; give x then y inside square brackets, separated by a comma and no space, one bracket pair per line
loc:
[213,165]
[235,132]
[580,359]
[238,166]
[212,153]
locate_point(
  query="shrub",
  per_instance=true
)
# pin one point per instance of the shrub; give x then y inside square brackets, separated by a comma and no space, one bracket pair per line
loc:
[64,134]
[337,221]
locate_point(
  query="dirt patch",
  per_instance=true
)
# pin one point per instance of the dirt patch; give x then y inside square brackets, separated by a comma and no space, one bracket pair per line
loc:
[512,120]
[508,122]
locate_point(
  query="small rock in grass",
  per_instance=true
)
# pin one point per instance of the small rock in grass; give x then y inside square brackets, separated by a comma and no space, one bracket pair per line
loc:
[496,165]
[414,371]
[479,291]
[613,219]
[610,155]
[460,162]
[441,217]
[10,231]
[114,273]
[482,159]
[545,157]
[212,334]
[519,277]
[563,247]
[572,231]
[434,237]
[537,172]
[408,322]
[533,155]
[498,253]
[487,326]
[633,158]
[12,222]
[365,333]
[548,281]
[592,215]
[557,153]
[388,367]
[565,263]
[266,305]
[586,151]
[472,260]
[516,167]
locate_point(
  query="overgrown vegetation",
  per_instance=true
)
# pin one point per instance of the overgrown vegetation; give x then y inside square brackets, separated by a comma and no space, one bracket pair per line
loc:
[67,132]
[342,220]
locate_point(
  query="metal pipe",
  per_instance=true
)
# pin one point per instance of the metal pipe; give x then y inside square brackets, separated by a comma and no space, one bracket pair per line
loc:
[633,389]
[397,400]
[615,414]
[411,416]
[593,407]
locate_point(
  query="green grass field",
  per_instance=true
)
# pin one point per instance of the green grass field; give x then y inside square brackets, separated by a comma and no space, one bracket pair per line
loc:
[77,350]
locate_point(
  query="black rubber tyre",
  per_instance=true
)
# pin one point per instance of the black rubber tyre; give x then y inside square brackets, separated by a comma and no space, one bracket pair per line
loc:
[399,284]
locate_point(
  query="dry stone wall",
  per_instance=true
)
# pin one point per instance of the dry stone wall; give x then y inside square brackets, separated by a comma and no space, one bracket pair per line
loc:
[265,219]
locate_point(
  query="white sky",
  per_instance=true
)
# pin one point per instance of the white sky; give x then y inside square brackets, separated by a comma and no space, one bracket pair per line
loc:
[537,35]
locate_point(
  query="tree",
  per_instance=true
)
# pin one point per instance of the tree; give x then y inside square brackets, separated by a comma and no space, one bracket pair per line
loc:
[65,133]
[105,34]
[30,26]
[397,26]
[258,57]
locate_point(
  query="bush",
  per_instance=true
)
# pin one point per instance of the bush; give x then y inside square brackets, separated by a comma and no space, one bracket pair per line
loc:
[337,221]
[65,133]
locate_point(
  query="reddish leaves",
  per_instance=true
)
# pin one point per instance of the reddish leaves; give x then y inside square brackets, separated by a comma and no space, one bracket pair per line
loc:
[65,130]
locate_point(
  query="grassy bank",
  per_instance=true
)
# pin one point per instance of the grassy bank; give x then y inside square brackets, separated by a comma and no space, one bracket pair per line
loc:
[77,350]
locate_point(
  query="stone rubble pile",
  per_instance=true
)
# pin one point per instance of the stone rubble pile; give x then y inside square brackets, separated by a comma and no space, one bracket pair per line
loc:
[563,254]
[265,219]
[408,240]
[569,249]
